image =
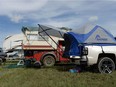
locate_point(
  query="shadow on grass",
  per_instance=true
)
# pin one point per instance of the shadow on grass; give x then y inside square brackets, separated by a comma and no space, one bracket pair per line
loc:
[64,67]
[13,66]
[59,67]
[67,67]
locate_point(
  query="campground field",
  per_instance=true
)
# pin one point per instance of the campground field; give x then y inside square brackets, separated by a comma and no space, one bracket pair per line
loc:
[57,76]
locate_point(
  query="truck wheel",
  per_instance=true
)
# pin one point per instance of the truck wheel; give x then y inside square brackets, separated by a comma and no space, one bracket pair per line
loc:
[48,61]
[37,64]
[106,65]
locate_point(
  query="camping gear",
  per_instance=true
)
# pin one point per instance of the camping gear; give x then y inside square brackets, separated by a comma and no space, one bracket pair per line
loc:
[21,62]
[75,70]
[75,41]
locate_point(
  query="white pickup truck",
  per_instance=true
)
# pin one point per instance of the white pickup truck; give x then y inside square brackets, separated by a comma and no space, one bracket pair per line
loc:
[94,46]
[104,57]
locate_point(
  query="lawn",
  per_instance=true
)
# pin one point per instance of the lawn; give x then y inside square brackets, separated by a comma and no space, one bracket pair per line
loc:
[57,76]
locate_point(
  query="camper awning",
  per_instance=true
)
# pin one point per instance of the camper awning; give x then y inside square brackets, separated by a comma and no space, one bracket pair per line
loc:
[43,29]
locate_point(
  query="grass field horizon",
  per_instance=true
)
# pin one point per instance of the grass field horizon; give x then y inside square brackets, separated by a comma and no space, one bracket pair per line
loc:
[57,76]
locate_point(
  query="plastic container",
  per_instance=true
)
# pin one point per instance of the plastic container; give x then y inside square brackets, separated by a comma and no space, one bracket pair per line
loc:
[74,71]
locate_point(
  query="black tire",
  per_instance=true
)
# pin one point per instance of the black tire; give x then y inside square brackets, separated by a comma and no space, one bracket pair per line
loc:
[106,65]
[28,63]
[48,61]
[37,64]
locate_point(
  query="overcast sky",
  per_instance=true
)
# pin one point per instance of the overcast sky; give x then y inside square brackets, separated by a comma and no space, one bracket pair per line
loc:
[67,13]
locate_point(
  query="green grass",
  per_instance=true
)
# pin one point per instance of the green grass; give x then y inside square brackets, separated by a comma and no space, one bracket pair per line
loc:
[57,76]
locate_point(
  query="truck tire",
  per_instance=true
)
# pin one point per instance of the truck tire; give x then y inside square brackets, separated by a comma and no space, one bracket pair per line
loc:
[48,61]
[106,65]
[37,64]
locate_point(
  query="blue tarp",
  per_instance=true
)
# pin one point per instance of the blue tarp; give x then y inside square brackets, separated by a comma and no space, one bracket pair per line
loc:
[76,41]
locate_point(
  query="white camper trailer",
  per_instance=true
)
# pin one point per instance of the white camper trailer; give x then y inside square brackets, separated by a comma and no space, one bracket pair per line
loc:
[13,44]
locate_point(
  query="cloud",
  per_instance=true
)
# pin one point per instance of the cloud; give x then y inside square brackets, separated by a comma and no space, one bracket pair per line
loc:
[17,8]
[59,12]
[71,22]
[16,18]
[93,18]
[21,6]
[110,26]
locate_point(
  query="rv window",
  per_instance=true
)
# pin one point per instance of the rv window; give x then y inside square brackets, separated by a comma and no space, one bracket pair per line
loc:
[32,37]
[36,37]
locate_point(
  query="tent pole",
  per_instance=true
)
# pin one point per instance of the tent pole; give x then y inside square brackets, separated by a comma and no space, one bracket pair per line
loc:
[49,36]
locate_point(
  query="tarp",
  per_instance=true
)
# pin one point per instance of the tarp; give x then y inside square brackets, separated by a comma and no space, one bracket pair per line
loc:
[86,35]
[45,29]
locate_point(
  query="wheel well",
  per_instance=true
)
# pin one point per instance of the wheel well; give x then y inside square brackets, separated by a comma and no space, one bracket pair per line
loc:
[112,56]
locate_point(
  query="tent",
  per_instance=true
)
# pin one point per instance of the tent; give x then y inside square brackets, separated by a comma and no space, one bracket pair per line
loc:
[45,30]
[87,35]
